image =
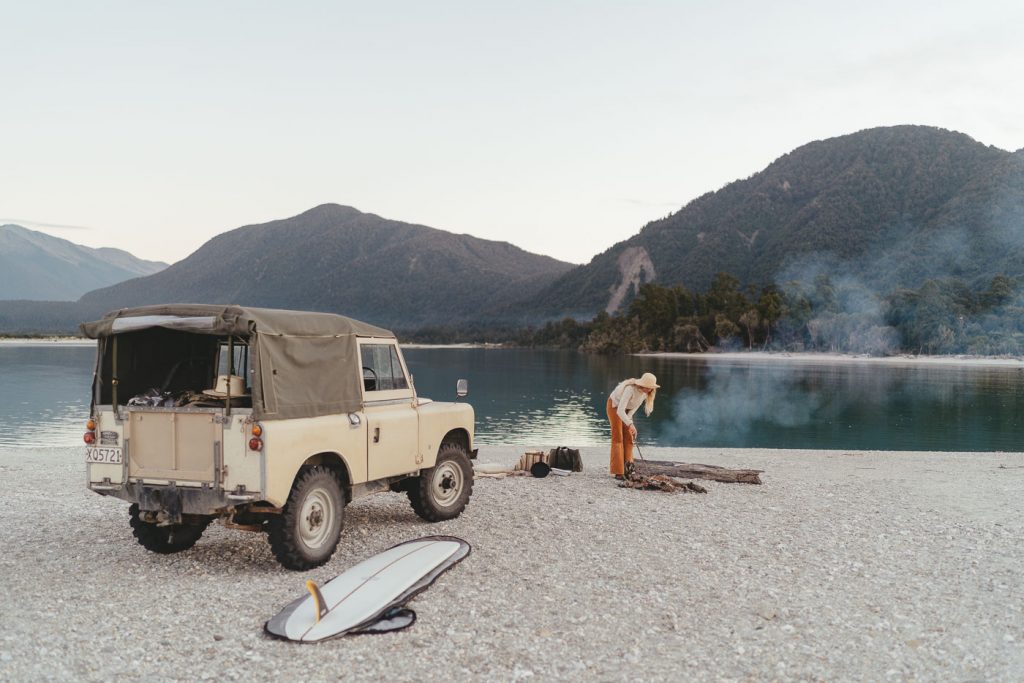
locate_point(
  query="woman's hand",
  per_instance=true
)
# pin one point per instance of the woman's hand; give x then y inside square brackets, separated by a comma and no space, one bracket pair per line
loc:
[632,432]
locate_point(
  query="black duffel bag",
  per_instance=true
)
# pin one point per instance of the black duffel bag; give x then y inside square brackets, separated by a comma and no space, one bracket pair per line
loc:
[565,458]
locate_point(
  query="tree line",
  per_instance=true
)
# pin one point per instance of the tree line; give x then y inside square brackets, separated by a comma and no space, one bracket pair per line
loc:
[838,314]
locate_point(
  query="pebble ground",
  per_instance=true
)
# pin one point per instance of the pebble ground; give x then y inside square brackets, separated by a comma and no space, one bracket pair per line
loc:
[841,566]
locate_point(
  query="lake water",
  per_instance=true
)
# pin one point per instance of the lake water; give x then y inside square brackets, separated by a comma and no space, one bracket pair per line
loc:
[549,398]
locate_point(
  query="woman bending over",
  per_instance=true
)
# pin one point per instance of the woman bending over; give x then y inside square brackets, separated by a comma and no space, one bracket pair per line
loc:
[622,405]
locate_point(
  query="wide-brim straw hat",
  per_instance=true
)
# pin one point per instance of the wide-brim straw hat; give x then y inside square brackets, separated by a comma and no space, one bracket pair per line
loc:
[648,381]
[220,389]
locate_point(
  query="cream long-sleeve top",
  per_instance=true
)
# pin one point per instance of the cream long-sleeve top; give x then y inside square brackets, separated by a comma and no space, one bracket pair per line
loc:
[626,398]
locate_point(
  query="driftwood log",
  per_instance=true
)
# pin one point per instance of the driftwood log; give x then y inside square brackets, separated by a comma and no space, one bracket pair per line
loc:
[685,470]
[659,482]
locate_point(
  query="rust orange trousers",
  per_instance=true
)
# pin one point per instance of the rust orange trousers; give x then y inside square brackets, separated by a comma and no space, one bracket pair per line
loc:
[622,441]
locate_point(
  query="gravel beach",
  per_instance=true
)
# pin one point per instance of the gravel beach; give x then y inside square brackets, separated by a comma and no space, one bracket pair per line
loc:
[841,566]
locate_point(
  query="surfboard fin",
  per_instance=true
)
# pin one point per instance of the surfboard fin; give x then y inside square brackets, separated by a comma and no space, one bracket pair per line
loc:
[318,600]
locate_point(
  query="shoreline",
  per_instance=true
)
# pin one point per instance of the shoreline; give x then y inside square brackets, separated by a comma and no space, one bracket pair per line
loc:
[804,357]
[465,345]
[55,340]
[680,453]
[824,358]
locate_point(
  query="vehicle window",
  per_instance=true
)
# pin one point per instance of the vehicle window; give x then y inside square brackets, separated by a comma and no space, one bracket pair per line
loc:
[382,371]
[241,362]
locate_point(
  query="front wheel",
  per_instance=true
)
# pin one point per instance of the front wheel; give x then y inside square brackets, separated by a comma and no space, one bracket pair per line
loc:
[165,540]
[306,534]
[442,492]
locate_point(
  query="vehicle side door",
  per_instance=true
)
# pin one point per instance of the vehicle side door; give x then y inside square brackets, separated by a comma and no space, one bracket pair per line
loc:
[390,407]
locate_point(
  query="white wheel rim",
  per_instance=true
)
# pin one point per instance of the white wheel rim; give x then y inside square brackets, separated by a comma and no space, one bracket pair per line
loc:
[316,522]
[446,484]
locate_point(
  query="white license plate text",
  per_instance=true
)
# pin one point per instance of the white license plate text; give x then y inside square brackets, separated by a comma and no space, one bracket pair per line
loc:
[110,456]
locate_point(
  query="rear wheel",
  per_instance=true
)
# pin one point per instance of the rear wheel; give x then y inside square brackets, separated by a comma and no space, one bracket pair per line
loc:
[164,539]
[306,534]
[442,492]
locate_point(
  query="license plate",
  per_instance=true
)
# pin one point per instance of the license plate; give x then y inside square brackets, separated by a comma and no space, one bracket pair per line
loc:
[110,456]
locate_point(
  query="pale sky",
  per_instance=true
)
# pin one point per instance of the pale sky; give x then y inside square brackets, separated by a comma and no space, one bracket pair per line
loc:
[562,127]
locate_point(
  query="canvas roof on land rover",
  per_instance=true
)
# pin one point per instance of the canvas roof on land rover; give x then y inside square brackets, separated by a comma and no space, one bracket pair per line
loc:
[304,364]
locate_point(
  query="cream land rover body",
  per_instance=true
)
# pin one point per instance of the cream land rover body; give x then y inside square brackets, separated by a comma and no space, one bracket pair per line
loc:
[328,402]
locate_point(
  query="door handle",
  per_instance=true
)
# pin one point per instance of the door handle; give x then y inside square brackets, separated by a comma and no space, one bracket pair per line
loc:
[376,434]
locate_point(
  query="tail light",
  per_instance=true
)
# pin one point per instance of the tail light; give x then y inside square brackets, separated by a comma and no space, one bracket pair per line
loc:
[90,435]
[256,443]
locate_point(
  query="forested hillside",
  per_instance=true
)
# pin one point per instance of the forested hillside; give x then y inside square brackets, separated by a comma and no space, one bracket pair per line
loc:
[888,206]
[40,317]
[942,316]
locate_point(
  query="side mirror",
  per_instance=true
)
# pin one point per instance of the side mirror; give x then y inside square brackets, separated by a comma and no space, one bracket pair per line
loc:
[462,388]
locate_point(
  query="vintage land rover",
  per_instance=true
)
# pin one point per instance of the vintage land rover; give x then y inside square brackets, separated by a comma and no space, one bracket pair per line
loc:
[269,420]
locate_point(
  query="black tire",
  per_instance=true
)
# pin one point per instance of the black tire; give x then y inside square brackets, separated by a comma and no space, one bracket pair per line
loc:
[442,492]
[306,534]
[164,539]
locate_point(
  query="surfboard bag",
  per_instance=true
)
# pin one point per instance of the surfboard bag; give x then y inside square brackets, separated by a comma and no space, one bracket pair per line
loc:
[370,597]
[565,458]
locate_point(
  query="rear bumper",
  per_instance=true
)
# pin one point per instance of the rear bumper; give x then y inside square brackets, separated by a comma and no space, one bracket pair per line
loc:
[175,501]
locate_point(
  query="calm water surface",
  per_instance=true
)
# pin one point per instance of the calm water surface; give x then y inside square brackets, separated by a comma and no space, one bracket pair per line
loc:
[549,398]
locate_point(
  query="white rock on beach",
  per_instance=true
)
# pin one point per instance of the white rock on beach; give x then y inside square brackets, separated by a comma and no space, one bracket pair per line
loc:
[841,566]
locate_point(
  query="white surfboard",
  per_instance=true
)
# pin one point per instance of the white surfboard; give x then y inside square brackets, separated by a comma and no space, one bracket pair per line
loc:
[367,596]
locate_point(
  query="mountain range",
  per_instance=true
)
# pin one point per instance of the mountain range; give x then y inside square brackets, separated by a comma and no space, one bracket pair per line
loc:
[337,259]
[891,207]
[39,267]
